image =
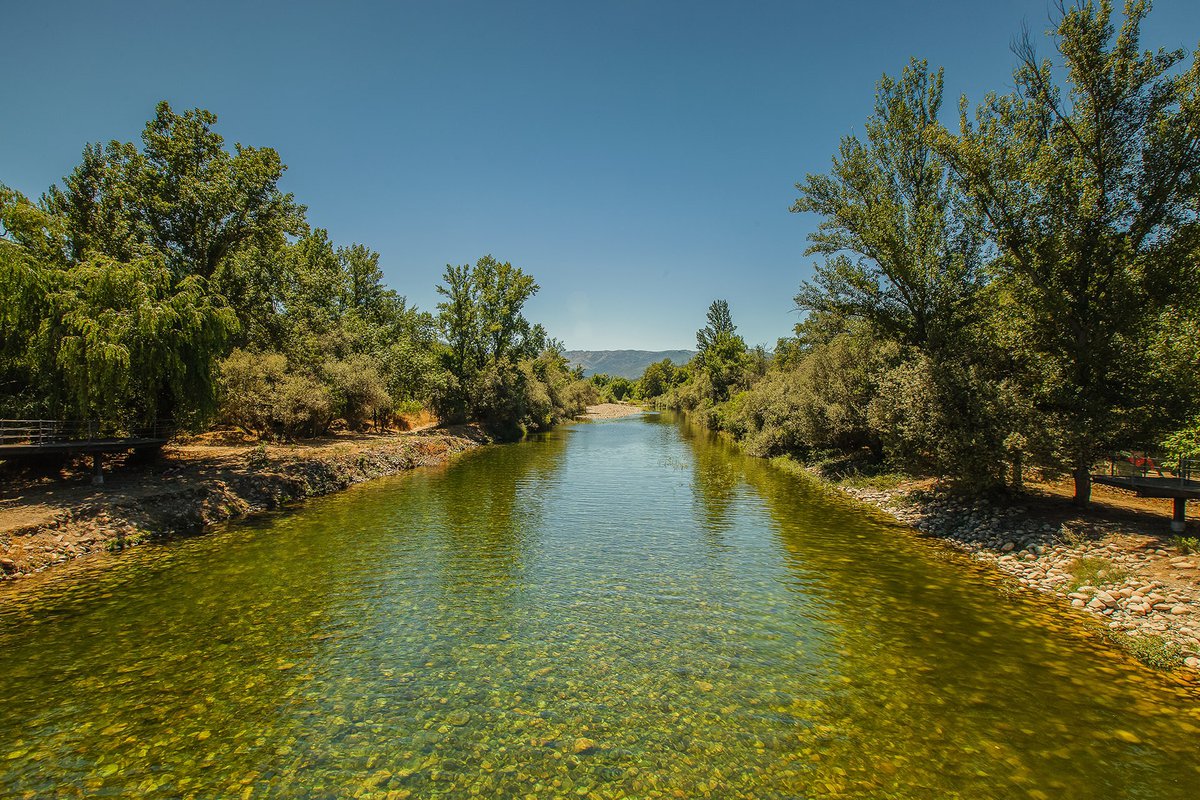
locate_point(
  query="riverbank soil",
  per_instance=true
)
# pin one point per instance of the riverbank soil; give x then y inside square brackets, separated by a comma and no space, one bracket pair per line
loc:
[1116,562]
[48,519]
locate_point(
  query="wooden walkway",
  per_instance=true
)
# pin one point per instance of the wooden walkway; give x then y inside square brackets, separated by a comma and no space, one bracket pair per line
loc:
[27,438]
[1151,476]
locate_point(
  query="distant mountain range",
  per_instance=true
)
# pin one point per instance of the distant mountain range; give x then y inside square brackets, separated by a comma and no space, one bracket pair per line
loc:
[625,363]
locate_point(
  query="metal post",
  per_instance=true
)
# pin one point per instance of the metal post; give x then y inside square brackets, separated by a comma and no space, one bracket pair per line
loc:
[97,469]
[1179,521]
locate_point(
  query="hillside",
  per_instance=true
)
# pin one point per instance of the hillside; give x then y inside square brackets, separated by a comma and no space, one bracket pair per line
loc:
[626,363]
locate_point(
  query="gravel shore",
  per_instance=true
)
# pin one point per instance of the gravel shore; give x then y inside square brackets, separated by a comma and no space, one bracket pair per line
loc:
[611,411]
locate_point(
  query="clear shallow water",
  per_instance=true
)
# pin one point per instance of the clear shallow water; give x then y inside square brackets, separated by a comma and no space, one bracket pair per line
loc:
[692,622]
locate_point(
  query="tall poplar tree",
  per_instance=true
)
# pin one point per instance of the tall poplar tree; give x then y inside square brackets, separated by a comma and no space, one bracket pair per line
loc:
[901,250]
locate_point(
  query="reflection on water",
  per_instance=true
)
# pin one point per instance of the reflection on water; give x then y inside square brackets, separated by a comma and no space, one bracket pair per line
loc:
[621,609]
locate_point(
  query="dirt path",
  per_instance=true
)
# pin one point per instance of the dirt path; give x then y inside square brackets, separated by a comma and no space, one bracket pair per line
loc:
[48,521]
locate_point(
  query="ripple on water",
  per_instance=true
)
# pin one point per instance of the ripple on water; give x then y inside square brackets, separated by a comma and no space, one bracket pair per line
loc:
[626,609]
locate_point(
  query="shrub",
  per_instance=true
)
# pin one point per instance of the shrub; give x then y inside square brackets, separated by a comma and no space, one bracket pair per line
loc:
[948,418]
[1187,544]
[260,393]
[818,404]
[304,407]
[1092,571]
[1152,650]
[249,386]
[358,390]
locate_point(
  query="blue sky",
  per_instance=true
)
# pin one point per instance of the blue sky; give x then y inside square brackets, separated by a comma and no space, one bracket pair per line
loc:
[638,158]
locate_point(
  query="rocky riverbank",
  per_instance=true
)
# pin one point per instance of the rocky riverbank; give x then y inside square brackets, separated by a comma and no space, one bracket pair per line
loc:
[43,524]
[1139,585]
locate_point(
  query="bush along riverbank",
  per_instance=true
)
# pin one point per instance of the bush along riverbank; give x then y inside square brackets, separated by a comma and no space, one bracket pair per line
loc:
[1144,590]
[193,486]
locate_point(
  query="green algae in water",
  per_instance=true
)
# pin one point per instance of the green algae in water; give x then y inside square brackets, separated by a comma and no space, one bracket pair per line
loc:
[621,609]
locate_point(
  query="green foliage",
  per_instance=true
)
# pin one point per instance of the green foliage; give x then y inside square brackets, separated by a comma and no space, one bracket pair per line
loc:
[1092,571]
[514,398]
[820,403]
[1185,441]
[720,352]
[359,391]
[481,317]
[1189,545]
[1088,189]
[124,344]
[902,253]
[1023,293]
[1150,649]
[263,395]
[620,388]
[500,369]
[612,388]
[657,379]
[125,287]
[947,418]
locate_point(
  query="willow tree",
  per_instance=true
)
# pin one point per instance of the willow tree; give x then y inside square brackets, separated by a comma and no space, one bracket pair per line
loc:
[120,342]
[1089,186]
[130,344]
[31,241]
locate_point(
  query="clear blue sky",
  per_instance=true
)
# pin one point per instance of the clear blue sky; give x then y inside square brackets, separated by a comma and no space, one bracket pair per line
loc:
[638,158]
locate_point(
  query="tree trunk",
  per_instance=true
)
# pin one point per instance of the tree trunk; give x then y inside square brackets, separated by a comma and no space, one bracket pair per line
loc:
[1083,487]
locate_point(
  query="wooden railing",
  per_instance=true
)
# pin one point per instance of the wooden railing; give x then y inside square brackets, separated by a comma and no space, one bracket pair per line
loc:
[34,432]
[1143,464]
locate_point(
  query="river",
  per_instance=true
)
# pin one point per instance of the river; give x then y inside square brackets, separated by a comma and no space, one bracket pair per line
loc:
[627,608]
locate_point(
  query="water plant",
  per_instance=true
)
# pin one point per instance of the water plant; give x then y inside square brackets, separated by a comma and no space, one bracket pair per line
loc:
[1150,649]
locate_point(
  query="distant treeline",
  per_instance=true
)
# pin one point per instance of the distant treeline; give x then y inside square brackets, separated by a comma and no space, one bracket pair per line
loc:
[176,280]
[1024,292]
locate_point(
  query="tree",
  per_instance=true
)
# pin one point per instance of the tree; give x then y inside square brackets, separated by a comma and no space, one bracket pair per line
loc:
[184,195]
[365,292]
[458,317]
[901,251]
[721,352]
[657,379]
[130,345]
[487,334]
[482,317]
[1089,189]
[200,202]
[119,342]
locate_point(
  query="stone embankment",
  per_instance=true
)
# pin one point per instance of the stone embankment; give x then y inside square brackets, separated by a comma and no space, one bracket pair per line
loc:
[43,525]
[1136,585]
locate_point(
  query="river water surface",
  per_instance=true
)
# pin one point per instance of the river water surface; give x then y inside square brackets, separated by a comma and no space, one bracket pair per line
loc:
[627,608]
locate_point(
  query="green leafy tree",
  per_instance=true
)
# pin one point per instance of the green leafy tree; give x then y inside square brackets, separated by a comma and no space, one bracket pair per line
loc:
[721,352]
[1089,188]
[184,195]
[657,379]
[459,319]
[483,323]
[901,251]
[131,344]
